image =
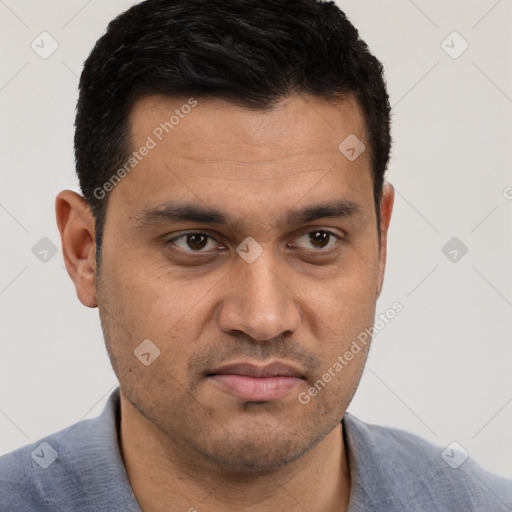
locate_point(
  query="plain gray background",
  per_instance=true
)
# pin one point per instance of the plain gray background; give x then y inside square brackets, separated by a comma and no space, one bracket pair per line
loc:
[441,368]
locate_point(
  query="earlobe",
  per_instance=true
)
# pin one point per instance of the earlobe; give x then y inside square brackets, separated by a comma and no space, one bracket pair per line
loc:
[386,208]
[76,226]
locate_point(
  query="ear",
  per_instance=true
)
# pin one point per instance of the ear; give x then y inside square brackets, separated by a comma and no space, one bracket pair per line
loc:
[386,207]
[76,226]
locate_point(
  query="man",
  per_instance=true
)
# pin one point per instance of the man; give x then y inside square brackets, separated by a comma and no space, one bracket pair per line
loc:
[233,236]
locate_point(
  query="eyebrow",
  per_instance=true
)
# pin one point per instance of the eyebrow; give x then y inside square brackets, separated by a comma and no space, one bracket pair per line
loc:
[185,212]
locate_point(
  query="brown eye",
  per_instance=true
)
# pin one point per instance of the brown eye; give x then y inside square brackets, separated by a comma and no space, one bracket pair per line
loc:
[319,239]
[196,241]
[192,242]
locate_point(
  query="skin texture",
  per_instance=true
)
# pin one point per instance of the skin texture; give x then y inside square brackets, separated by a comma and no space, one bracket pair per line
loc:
[186,441]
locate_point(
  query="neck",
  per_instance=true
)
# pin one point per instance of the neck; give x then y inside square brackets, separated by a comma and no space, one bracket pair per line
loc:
[164,476]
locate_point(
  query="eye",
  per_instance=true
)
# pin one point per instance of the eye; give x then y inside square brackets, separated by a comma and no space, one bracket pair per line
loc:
[320,239]
[193,242]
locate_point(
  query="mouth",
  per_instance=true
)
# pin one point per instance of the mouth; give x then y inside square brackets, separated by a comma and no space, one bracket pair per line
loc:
[253,383]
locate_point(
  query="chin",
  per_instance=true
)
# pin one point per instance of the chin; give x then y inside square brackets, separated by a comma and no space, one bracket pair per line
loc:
[256,452]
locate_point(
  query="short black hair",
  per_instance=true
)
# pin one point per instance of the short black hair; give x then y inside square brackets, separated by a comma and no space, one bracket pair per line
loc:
[250,52]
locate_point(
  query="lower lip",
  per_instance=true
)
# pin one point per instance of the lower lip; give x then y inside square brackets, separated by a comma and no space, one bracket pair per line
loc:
[256,389]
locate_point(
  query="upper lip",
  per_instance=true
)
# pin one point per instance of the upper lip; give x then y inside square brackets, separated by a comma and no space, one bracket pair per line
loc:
[275,369]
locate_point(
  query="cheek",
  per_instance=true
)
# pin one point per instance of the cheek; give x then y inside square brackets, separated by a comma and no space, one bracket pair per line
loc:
[153,302]
[140,304]
[154,294]
[346,303]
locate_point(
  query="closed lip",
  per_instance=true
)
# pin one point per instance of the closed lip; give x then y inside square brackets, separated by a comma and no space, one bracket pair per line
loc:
[248,369]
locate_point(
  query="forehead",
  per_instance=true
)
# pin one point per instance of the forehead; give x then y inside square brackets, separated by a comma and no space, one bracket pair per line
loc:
[312,123]
[213,152]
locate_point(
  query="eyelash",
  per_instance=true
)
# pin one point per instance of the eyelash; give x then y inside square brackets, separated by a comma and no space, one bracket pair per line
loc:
[311,251]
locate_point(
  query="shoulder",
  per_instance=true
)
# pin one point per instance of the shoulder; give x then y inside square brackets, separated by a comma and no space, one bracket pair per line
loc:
[414,474]
[35,477]
[79,468]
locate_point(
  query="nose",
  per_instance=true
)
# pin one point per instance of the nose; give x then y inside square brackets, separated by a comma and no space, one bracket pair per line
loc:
[260,301]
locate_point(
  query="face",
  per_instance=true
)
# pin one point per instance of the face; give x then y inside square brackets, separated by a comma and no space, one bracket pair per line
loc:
[244,246]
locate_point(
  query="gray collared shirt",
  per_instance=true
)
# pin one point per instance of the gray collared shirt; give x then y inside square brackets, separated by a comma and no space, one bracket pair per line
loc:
[81,469]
